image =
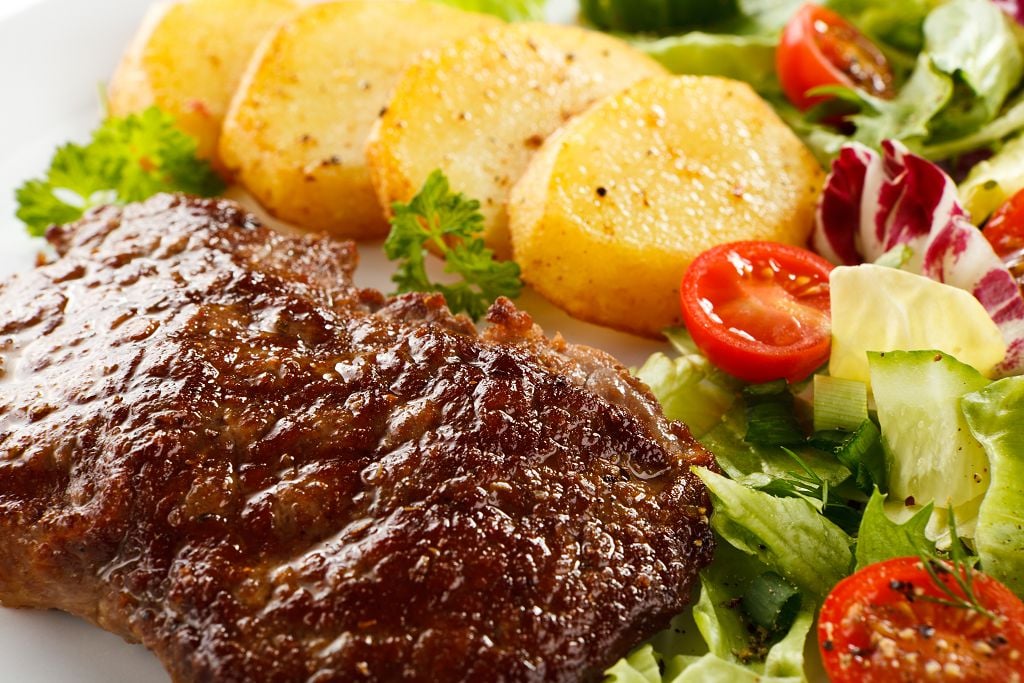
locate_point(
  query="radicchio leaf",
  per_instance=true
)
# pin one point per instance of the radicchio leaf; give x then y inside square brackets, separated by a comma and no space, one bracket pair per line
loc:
[873,203]
[1014,8]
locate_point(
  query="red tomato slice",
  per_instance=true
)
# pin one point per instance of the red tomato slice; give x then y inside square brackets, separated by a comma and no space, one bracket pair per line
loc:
[759,310]
[820,48]
[1005,229]
[885,623]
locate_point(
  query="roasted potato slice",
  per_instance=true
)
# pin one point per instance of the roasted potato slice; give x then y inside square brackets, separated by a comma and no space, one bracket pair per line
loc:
[616,205]
[296,132]
[188,59]
[479,108]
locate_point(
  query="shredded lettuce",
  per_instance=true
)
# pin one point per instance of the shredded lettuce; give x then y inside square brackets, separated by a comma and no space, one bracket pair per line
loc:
[995,415]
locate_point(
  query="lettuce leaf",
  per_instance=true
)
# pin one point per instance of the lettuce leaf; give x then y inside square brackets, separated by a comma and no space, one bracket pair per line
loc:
[880,538]
[787,534]
[757,466]
[717,639]
[995,415]
[740,57]
[895,24]
[974,40]
[690,388]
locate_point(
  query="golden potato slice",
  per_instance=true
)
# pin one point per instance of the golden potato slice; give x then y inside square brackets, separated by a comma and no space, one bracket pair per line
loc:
[479,108]
[615,206]
[188,59]
[296,131]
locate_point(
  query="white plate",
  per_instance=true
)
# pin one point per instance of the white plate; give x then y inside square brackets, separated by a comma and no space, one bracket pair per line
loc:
[53,57]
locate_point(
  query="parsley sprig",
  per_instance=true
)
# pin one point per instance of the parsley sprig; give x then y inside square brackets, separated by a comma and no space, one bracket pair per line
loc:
[451,224]
[128,159]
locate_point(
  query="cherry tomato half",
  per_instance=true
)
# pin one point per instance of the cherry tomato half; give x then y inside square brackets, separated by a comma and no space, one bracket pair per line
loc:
[759,310]
[820,48]
[1005,229]
[892,622]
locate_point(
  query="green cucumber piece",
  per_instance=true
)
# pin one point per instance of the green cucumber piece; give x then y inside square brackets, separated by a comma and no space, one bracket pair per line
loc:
[931,455]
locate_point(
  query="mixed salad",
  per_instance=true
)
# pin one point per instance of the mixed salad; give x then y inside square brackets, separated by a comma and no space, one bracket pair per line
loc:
[863,397]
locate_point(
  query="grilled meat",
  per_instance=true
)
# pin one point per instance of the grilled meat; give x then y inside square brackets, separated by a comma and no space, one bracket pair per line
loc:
[212,443]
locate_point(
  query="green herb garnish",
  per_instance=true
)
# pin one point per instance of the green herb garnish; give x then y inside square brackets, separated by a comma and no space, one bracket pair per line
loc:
[451,224]
[960,566]
[129,159]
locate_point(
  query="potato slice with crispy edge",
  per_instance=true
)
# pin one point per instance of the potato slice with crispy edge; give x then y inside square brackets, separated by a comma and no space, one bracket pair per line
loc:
[296,131]
[188,59]
[479,108]
[613,208]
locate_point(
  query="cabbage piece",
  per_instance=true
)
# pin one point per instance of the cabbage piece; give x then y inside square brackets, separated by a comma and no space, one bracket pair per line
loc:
[995,415]
[873,203]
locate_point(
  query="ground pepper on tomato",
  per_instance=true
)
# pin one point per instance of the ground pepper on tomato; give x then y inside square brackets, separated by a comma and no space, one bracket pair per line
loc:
[892,622]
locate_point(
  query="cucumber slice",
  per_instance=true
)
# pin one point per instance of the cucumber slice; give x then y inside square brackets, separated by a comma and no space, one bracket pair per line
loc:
[930,452]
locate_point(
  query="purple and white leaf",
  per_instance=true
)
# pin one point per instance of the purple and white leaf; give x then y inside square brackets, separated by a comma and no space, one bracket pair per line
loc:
[873,203]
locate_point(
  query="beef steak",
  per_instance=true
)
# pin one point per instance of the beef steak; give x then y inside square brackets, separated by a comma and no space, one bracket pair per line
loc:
[213,443]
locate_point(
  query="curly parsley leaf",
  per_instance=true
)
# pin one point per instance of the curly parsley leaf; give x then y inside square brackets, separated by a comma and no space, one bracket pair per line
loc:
[128,159]
[451,224]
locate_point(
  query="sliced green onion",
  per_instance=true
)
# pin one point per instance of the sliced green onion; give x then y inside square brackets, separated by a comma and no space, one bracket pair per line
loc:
[771,420]
[861,452]
[771,602]
[839,403]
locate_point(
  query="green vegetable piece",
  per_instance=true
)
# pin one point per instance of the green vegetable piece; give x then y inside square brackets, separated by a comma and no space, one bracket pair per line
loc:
[995,415]
[655,15]
[897,257]
[787,534]
[758,466]
[771,602]
[713,669]
[744,58]
[690,388]
[509,10]
[128,159]
[640,666]
[840,404]
[880,538]
[930,453]
[771,420]
[973,41]
[994,180]
[451,224]
[861,452]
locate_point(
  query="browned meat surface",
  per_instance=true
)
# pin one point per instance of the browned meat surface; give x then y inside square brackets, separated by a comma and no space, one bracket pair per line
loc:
[212,443]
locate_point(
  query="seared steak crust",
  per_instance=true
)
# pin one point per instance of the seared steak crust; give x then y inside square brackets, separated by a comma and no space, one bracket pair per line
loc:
[213,443]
